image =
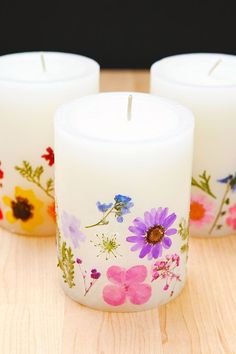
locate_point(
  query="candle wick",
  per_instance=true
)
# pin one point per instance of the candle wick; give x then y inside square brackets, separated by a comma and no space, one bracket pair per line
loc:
[215,66]
[43,62]
[129,109]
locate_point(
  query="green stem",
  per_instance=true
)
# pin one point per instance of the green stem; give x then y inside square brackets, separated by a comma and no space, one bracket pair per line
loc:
[44,189]
[103,220]
[204,188]
[220,209]
[38,184]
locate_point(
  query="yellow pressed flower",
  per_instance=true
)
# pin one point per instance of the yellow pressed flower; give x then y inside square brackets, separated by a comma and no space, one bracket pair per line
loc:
[25,208]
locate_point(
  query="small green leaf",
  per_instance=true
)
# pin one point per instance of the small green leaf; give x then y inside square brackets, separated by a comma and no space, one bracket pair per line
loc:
[203,183]
[184,248]
[227,201]
[66,264]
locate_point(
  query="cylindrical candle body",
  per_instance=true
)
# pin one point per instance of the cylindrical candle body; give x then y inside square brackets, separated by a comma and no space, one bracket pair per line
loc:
[31,89]
[206,84]
[122,190]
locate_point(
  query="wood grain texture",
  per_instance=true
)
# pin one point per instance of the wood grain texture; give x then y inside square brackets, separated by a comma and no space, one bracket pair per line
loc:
[36,317]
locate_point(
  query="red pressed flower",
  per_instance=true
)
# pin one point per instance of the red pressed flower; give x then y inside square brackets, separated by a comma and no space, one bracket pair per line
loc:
[1,172]
[1,214]
[49,156]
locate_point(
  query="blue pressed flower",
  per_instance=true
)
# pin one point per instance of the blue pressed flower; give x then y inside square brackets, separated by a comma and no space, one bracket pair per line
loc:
[126,209]
[233,183]
[225,179]
[231,179]
[120,219]
[104,207]
[122,198]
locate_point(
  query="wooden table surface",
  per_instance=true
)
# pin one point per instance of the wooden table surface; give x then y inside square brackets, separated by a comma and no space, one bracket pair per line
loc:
[37,318]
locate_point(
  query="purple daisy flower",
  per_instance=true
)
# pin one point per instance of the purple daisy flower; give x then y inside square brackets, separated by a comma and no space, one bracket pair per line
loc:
[71,229]
[152,233]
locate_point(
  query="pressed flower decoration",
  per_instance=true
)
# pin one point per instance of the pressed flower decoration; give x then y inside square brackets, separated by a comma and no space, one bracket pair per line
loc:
[49,156]
[65,261]
[165,270]
[119,208]
[107,245]
[24,208]
[51,209]
[231,219]
[183,231]
[71,229]
[93,276]
[34,175]
[152,233]
[150,236]
[127,285]
[203,210]
[1,175]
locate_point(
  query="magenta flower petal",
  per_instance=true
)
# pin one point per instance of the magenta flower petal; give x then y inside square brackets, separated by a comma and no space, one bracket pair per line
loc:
[151,233]
[134,239]
[163,215]
[136,247]
[116,274]
[136,274]
[169,220]
[129,287]
[137,231]
[157,250]
[170,232]
[153,215]
[139,294]
[148,218]
[114,295]
[138,222]
[145,250]
[158,213]
[166,242]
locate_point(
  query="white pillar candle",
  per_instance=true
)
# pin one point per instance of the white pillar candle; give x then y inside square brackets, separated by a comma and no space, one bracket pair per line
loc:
[32,86]
[123,173]
[206,84]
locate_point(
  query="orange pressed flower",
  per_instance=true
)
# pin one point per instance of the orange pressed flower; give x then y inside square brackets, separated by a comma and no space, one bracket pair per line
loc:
[197,211]
[201,210]
[52,211]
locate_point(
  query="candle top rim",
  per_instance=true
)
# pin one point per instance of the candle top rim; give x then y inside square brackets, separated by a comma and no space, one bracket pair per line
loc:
[79,123]
[83,67]
[159,70]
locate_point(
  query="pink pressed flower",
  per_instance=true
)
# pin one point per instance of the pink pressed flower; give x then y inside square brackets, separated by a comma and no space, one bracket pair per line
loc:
[166,269]
[231,219]
[201,210]
[127,284]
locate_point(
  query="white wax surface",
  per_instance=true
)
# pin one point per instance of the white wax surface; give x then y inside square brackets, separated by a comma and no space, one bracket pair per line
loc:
[195,69]
[212,99]
[29,98]
[100,154]
[28,67]
[104,117]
